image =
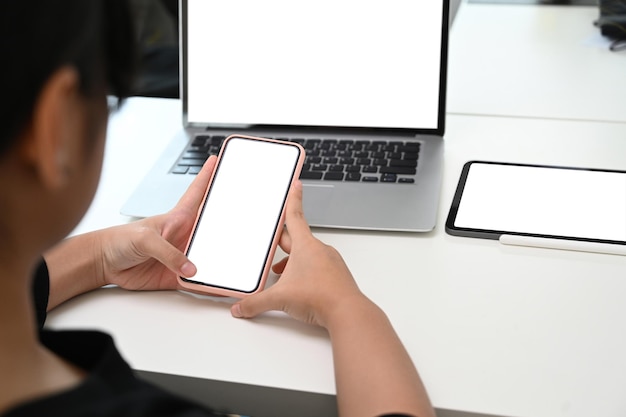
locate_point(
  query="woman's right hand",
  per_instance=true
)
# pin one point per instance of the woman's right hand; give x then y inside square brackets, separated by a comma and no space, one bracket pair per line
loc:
[314,280]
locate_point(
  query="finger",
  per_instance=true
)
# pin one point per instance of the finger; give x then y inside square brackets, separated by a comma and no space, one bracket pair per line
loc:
[195,193]
[294,218]
[254,305]
[279,266]
[285,241]
[156,247]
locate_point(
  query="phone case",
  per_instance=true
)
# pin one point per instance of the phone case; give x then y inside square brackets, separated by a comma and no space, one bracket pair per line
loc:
[211,290]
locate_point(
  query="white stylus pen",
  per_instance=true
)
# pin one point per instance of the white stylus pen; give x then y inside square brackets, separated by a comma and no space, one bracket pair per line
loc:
[565,244]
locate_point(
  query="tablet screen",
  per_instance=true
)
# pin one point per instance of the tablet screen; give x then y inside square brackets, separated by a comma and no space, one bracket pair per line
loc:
[497,198]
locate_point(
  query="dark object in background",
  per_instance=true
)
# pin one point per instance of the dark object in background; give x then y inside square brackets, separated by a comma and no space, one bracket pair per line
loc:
[612,22]
[158,72]
[156,23]
[541,2]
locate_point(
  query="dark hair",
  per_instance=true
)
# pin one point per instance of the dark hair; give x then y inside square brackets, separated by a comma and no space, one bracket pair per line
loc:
[37,37]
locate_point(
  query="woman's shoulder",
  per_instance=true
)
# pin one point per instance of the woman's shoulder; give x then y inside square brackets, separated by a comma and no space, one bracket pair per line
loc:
[110,388]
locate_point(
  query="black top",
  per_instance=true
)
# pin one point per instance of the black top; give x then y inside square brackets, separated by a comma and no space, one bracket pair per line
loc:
[110,388]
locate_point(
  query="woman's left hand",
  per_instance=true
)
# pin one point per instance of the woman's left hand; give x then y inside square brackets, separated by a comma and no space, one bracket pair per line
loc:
[142,255]
[148,254]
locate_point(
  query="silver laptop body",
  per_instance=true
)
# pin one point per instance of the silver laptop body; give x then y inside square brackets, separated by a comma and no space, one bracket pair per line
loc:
[345,70]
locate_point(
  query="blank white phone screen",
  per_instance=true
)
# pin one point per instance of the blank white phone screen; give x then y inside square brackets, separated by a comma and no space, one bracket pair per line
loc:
[545,201]
[233,237]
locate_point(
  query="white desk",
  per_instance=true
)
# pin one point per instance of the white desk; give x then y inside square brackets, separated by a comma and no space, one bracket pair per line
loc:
[507,331]
[534,61]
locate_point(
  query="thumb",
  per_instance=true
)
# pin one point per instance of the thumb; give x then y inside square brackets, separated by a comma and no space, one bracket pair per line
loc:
[157,247]
[254,305]
[297,225]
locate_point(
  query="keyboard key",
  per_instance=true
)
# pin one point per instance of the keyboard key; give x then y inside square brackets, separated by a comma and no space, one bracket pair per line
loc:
[194,170]
[388,178]
[410,147]
[370,169]
[398,170]
[353,168]
[406,180]
[199,148]
[353,176]
[370,179]
[334,176]
[380,162]
[191,162]
[194,154]
[402,163]
[319,167]
[336,168]
[180,170]
[200,140]
[412,156]
[310,175]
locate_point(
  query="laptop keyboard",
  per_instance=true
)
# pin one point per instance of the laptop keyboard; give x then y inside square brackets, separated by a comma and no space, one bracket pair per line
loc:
[327,159]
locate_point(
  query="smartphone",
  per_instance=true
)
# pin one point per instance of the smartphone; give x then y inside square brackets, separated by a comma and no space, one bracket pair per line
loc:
[242,216]
[494,199]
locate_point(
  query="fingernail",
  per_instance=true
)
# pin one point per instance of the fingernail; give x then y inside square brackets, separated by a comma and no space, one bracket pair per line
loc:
[236,310]
[188,270]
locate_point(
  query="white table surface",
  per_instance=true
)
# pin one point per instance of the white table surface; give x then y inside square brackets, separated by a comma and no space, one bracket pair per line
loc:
[508,331]
[534,61]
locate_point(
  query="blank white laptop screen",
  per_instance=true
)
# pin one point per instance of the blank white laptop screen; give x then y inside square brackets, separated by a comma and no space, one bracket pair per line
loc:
[359,63]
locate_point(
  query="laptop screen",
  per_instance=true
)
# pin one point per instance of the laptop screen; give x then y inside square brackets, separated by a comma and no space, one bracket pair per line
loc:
[340,63]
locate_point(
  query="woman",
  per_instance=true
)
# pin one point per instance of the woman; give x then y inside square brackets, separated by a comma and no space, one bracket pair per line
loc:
[65,56]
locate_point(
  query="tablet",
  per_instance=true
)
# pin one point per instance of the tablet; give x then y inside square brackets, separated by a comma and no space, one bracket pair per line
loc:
[494,199]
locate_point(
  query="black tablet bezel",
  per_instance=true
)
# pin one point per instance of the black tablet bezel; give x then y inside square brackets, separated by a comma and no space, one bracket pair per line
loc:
[453,230]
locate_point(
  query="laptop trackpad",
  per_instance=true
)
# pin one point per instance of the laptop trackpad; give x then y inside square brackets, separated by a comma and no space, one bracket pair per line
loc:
[315,199]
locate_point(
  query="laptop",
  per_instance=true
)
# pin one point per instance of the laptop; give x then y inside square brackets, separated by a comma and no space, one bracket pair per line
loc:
[360,84]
